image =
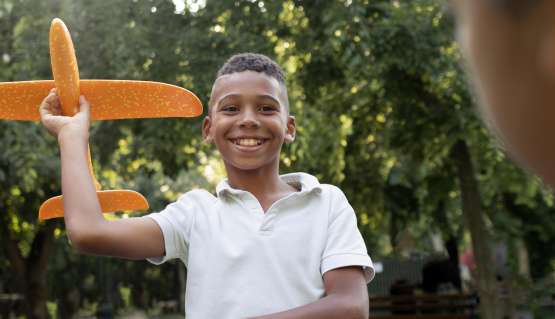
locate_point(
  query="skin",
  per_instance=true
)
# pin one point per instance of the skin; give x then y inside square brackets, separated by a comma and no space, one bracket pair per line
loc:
[510,55]
[243,105]
[257,110]
[88,231]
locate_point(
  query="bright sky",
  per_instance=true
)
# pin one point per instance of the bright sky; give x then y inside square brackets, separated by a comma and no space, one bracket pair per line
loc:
[192,5]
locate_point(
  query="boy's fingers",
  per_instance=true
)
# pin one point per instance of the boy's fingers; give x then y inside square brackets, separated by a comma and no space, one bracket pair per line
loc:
[51,98]
[49,110]
[84,105]
[50,105]
[44,111]
[83,100]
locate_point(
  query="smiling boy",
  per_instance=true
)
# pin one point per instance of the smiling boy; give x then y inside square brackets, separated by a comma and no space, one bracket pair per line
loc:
[265,245]
[510,49]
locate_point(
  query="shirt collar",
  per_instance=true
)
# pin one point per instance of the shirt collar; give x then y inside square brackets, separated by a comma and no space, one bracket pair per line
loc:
[306,182]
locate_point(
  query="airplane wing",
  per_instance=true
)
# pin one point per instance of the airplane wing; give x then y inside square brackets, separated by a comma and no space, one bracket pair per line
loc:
[111,201]
[109,99]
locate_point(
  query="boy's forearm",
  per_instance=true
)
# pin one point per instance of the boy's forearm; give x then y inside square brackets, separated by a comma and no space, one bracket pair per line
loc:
[329,307]
[81,207]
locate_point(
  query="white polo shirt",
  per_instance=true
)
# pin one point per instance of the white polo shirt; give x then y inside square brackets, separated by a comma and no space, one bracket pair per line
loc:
[242,262]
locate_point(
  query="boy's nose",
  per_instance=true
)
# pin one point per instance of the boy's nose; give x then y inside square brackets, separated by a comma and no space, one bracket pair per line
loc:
[249,119]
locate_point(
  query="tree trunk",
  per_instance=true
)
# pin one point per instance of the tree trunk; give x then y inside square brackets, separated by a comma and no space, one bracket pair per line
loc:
[519,279]
[182,275]
[451,241]
[36,293]
[30,273]
[486,284]
[68,305]
[451,245]
[394,231]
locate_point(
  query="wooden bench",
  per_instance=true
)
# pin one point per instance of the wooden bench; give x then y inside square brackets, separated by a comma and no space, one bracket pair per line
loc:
[432,306]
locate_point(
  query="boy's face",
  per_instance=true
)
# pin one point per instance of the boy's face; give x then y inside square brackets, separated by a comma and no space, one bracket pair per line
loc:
[249,120]
[511,58]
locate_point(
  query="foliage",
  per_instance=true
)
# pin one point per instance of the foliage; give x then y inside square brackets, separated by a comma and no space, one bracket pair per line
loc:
[376,87]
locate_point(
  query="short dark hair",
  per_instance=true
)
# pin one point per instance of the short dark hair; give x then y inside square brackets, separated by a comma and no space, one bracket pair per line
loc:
[253,62]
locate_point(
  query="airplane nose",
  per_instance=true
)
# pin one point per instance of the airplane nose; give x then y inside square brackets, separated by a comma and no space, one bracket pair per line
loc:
[64,67]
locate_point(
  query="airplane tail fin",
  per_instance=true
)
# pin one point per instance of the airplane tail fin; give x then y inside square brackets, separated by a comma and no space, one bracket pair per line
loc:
[111,201]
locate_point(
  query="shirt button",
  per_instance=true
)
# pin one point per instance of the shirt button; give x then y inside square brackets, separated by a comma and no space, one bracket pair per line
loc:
[265,231]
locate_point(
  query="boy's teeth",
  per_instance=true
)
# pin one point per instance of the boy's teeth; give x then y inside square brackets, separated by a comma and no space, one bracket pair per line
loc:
[248,142]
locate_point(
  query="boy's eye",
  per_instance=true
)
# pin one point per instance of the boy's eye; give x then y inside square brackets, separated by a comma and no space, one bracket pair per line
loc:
[268,108]
[230,108]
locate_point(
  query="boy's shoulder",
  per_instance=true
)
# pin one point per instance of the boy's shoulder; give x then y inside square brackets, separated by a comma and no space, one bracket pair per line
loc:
[335,195]
[199,196]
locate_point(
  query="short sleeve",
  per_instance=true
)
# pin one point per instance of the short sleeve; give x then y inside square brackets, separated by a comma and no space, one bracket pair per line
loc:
[176,222]
[345,245]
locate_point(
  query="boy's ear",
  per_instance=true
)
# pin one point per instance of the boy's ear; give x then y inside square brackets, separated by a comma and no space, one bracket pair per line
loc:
[206,125]
[291,129]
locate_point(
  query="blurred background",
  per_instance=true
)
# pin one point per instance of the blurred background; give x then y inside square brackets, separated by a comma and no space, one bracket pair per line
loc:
[383,111]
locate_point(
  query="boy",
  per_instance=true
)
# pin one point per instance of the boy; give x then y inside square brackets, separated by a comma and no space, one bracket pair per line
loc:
[510,49]
[278,246]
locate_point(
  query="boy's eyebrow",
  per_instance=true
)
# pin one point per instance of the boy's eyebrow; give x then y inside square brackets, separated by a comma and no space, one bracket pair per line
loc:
[260,96]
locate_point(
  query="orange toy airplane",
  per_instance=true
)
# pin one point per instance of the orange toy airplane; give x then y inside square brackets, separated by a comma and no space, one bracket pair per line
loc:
[109,100]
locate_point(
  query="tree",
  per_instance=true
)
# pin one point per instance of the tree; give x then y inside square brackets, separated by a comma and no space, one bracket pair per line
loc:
[381,102]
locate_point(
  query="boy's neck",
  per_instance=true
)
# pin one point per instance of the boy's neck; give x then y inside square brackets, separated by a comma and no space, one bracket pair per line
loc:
[263,183]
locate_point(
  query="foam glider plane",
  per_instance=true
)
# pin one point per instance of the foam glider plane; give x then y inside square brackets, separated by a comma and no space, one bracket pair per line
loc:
[109,100]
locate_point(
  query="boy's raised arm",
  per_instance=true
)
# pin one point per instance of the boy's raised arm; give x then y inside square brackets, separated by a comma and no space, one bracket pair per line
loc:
[89,232]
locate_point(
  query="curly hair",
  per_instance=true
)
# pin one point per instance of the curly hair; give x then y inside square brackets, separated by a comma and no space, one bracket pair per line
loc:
[253,62]
[257,63]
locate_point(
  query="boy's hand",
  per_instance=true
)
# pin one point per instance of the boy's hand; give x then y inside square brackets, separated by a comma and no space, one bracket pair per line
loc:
[76,126]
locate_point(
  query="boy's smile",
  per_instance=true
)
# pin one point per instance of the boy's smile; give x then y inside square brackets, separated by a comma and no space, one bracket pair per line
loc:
[249,120]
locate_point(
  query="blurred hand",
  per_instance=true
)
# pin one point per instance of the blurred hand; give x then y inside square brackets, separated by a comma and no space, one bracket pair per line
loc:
[76,126]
